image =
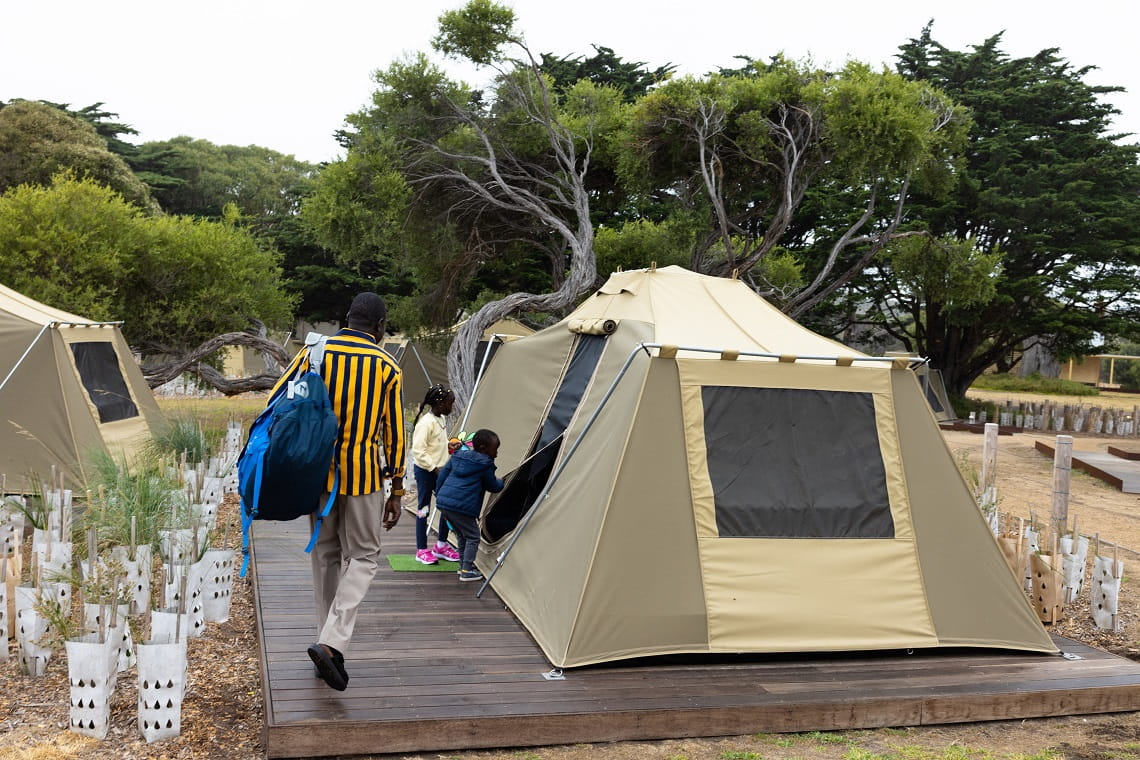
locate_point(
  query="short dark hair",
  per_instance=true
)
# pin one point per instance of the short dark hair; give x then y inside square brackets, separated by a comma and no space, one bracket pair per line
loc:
[483,438]
[367,307]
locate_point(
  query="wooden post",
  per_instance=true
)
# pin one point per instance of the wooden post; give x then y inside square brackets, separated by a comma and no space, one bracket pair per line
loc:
[1062,472]
[987,488]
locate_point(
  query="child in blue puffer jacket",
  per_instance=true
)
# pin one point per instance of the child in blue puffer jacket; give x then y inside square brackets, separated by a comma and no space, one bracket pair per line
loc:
[459,495]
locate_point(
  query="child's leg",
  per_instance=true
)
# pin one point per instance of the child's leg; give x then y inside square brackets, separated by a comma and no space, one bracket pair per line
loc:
[423,495]
[469,551]
[468,530]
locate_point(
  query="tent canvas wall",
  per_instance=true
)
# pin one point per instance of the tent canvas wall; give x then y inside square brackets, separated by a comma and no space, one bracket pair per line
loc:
[722,502]
[68,387]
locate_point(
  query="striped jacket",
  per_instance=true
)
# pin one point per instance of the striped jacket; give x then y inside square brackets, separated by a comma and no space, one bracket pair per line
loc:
[365,388]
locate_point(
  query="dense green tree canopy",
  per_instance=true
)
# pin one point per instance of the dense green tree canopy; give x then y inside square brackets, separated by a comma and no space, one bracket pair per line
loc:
[1046,190]
[38,140]
[174,281]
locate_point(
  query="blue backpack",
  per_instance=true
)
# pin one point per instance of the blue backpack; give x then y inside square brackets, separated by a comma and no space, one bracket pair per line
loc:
[283,468]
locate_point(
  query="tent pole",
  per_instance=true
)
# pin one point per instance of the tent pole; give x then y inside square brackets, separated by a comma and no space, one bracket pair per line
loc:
[478,377]
[562,465]
[420,361]
[27,351]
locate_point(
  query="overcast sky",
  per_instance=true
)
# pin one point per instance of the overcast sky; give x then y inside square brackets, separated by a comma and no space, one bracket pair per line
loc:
[284,73]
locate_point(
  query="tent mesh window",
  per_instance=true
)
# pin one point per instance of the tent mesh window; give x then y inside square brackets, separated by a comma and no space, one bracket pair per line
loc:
[98,366]
[795,463]
[527,481]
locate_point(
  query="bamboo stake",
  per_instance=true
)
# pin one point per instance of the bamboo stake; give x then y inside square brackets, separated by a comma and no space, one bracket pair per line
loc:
[180,610]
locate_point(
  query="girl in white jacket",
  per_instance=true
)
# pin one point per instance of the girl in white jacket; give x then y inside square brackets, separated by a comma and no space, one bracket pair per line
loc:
[429,454]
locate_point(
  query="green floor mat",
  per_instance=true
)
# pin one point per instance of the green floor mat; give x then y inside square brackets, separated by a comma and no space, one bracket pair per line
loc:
[406,563]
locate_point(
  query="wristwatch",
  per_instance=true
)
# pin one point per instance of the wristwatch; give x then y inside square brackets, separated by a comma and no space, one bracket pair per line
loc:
[398,492]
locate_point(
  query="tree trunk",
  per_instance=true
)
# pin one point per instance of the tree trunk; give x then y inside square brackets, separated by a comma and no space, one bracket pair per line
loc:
[192,362]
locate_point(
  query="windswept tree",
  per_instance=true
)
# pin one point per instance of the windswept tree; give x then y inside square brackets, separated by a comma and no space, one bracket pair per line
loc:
[744,149]
[497,179]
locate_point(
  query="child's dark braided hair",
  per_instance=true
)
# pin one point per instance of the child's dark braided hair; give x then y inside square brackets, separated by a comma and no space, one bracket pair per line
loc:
[434,395]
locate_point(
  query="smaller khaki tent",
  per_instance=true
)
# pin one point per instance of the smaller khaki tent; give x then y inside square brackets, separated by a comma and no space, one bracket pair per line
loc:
[69,387]
[424,367]
[932,387]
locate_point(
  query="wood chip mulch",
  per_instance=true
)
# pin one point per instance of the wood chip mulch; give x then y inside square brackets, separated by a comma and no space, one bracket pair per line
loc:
[222,712]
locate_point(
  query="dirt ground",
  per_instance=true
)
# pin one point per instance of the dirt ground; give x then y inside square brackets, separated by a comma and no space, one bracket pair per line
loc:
[222,712]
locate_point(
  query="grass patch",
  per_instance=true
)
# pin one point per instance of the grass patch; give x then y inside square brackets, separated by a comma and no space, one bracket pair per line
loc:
[213,414]
[735,755]
[1034,383]
[826,737]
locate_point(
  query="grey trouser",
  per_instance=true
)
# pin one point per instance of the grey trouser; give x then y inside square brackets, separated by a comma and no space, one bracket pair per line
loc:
[344,561]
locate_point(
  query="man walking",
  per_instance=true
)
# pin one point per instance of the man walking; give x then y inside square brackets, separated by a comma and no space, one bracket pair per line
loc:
[364,387]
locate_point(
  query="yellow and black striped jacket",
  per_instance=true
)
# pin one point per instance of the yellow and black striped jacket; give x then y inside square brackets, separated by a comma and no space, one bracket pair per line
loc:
[365,388]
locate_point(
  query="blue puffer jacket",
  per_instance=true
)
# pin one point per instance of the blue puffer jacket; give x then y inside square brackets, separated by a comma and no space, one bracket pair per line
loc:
[463,480]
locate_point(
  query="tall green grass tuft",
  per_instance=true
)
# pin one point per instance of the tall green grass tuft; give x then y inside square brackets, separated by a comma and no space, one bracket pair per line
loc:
[120,492]
[181,433]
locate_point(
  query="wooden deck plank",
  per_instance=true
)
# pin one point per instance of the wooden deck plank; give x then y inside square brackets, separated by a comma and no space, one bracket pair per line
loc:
[434,668]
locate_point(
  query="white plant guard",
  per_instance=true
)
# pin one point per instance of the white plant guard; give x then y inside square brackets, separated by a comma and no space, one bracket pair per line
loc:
[161,687]
[1074,557]
[219,564]
[31,628]
[205,513]
[1032,539]
[172,594]
[177,545]
[1104,595]
[118,637]
[213,488]
[91,669]
[138,575]
[165,627]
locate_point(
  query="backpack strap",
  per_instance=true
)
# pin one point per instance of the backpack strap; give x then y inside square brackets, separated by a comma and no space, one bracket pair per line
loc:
[316,343]
[324,512]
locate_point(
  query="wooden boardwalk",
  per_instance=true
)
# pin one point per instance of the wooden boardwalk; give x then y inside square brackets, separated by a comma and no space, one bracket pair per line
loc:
[1118,466]
[434,668]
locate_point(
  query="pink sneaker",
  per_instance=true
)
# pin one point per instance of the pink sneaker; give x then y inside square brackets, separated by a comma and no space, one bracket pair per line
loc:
[425,556]
[444,551]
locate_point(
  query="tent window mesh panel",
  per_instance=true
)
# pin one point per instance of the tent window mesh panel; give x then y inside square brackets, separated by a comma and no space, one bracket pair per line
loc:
[395,350]
[525,484]
[98,367]
[795,463]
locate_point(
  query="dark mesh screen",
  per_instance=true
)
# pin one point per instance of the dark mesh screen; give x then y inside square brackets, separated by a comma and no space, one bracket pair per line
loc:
[99,371]
[525,484]
[793,463]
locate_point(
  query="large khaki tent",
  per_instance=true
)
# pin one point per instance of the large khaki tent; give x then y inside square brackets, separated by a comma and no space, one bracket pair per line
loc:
[779,492]
[68,387]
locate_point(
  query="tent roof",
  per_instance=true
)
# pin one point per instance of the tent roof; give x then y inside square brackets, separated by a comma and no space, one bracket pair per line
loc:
[698,310]
[33,311]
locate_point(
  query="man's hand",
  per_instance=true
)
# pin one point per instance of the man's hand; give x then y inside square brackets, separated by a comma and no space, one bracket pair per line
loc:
[391,512]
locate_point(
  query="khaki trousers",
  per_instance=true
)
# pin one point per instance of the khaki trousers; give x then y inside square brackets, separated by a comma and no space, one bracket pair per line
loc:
[344,562]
